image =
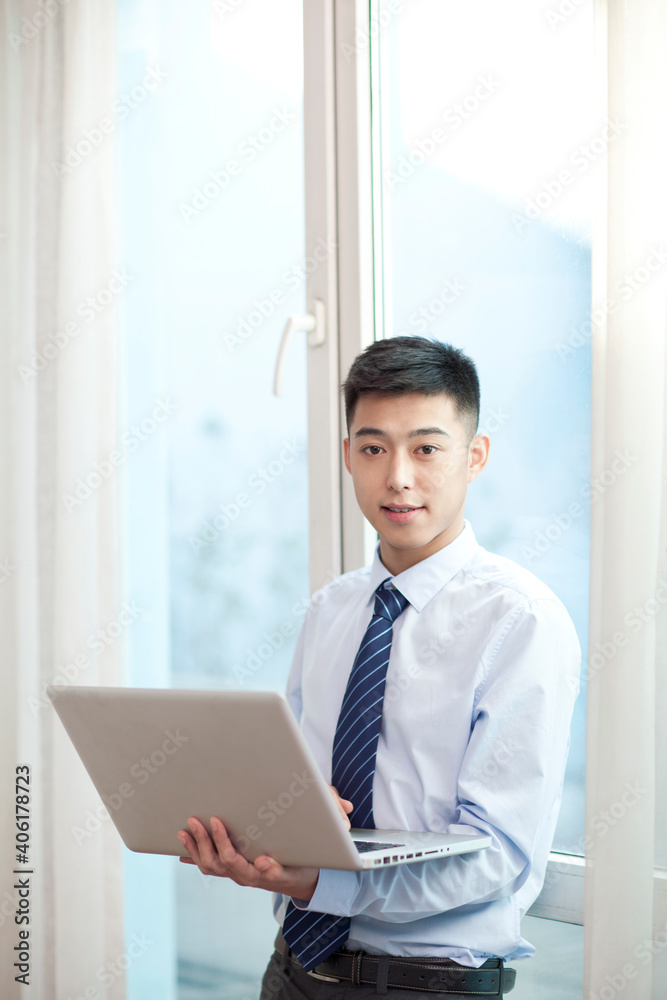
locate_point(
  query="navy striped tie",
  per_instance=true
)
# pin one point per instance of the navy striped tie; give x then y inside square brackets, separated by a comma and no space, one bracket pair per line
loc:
[314,936]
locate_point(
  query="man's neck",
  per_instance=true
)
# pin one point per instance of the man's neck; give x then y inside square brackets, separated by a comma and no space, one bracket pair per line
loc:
[398,560]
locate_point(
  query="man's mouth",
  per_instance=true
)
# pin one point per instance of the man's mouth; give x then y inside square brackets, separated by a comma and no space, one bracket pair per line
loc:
[401,514]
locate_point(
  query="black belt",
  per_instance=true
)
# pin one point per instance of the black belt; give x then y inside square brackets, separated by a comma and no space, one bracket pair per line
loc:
[430,975]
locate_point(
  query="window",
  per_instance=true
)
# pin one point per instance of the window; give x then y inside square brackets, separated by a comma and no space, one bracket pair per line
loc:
[488,151]
[212,222]
[451,153]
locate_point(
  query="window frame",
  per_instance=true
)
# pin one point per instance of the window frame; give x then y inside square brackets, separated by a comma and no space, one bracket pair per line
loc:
[341,142]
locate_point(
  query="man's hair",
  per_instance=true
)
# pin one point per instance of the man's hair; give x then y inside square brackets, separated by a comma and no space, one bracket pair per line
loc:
[399,365]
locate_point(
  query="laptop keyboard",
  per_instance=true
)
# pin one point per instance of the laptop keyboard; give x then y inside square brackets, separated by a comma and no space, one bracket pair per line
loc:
[366,845]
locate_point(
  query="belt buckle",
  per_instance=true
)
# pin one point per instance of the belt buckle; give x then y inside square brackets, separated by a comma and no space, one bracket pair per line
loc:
[322,978]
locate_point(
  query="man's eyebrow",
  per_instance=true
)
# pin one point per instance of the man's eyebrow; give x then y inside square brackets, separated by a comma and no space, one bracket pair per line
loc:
[370,432]
[420,432]
[425,431]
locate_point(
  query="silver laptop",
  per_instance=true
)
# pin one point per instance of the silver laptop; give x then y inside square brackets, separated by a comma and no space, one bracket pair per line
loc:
[157,757]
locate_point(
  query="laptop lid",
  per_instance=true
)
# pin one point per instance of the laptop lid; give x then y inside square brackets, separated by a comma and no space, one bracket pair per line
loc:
[158,756]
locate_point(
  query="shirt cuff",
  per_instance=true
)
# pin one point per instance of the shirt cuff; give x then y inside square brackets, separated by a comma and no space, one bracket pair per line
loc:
[334,893]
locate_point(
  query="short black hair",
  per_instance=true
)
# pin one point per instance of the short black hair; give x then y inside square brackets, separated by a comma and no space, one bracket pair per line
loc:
[399,365]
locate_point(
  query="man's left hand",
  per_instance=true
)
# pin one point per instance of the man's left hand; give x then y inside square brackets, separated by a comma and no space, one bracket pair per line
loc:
[218,856]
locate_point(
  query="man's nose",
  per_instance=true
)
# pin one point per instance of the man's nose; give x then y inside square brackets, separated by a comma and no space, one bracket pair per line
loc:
[400,473]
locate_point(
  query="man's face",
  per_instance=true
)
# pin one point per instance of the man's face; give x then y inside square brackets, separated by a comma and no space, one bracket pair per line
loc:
[411,463]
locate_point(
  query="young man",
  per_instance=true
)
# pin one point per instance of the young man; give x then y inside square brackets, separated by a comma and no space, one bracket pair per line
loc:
[452,716]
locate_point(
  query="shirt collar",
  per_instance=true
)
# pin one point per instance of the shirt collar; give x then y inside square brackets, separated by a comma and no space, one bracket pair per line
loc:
[421,582]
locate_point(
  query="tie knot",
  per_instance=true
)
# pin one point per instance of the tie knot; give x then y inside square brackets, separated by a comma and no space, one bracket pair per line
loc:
[389,603]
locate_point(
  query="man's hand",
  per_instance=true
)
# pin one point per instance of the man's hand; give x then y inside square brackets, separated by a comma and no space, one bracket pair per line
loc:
[344,805]
[220,857]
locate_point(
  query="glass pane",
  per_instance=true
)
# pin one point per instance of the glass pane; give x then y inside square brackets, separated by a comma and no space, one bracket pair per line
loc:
[557,970]
[488,153]
[212,220]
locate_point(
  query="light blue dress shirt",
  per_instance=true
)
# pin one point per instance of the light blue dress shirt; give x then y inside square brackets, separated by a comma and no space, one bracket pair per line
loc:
[481,683]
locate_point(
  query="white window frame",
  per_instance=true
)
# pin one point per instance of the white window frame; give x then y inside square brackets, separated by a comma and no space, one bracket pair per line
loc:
[339,150]
[341,141]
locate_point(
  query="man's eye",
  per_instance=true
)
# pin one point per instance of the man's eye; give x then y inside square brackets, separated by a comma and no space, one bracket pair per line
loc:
[373,449]
[427,449]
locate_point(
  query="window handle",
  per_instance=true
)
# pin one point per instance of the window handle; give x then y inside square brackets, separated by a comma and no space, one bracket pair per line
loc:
[314,325]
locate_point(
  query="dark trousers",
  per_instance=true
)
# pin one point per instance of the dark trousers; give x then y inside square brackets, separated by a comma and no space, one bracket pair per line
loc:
[286,980]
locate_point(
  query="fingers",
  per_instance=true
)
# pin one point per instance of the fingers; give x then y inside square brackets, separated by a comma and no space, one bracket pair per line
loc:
[217,855]
[227,853]
[344,805]
[190,845]
[268,867]
[202,849]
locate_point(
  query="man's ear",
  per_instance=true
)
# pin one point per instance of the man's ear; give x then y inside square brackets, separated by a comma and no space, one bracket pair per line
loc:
[346,453]
[478,455]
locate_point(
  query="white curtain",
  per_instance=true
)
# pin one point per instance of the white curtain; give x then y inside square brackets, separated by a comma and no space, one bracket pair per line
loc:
[59,575]
[626,905]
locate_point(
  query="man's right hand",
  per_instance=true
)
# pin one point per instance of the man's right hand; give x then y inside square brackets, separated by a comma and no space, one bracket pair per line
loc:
[344,805]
